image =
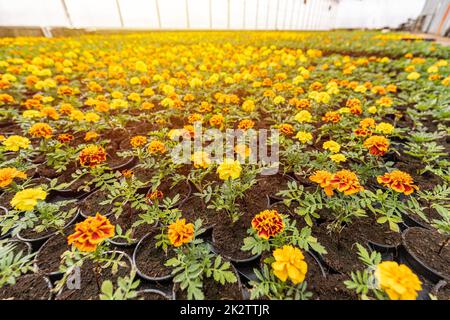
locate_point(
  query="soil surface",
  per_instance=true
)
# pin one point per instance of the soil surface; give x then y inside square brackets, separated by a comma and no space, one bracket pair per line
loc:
[27,287]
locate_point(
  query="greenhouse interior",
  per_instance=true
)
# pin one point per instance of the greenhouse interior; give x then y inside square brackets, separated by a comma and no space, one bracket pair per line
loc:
[224,150]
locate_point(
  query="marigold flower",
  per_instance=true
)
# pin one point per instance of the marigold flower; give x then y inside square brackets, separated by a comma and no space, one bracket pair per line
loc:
[229,169]
[398,281]
[303,136]
[332,117]
[92,155]
[14,143]
[138,141]
[385,102]
[268,223]
[155,195]
[246,124]
[27,199]
[367,123]
[338,157]
[243,150]
[65,137]
[398,181]
[91,232]
[91,117]
[377,145]
[385,128]
[156,146]
[413,76]
[331,145]
[346,182]
[289,263]
[90,135]
[303,116]
[286,129]
[127,173]
[41,130]
[7,175]
[323,178]
[216,120]
[201,159]
[180,232]
[362,132]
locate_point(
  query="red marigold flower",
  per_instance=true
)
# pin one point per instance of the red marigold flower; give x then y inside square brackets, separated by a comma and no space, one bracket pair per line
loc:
[377,145]
[331,116]
[268,223]
[65,137]
[92,155]
[398,181]
[362,132]
[92,231]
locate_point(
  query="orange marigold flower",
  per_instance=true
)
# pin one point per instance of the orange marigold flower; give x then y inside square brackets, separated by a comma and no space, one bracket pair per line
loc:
[323,178]
[268,223]
[7,175]
[92,156]
[41,130]
[362,132]
[156,147]
[138,141]
[286,129]
[331,116]
[216,120]
[398,181]
[377,145]
[90,232]
[65,137]
[90,135]
[246,124]
[180,232]
[367,123]
[346,181]
[127,173]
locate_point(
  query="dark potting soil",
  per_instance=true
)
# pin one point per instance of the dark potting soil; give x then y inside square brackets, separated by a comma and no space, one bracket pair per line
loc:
[429,213]
[270,185]
[48,258]
[27,287]
[114,160]
[283,209]
[194,208]
[228,237]
[43,170]
[332,288]
[377,233]
[66,177]
[150,260]
[215,291]
[169,191]
[424,245]
[20,246]
[89,289]
[142,174]
[340,257]
[32,234]
[91,204]
[145,295]
[126,220]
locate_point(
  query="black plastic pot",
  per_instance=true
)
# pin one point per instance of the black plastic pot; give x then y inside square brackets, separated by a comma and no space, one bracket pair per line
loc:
[36,243]
[238,262]
[158,292]
[138,271]
[418,265]
[86,196]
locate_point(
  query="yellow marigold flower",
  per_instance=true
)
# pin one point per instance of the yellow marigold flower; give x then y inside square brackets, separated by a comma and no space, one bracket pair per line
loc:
[229,169]
[433,69]
[201,159]
[303,136]
[41,130]
[216,120]
[385,128]
[279,100]
[413,76]
[76,115]
[141,66]
[331,145]
[138,141]
[289,263]
[92,155]
[372,110]
[377,145]
[385,102]
[156,146]
[14,143]
[243,150]
[117,95]
[338,157]
[367,123]
[7,175]
[303,116]
[31,114]
[398,181]
[195,117]
[90,135]
[27,199]
[246,124]
[398,281]
[180,232]
[91,117]
[135,80]
[91,232]
[268,223]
